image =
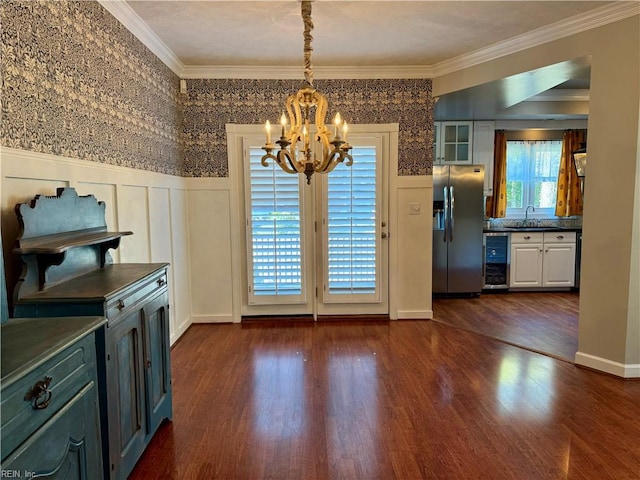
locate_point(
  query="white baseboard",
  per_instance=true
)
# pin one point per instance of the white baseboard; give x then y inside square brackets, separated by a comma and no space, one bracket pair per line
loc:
[180,329]
[415,314]
[220,318]
[608,366]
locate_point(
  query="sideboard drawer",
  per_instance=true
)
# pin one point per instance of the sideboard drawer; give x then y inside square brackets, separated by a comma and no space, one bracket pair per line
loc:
[128,299]
[69,372]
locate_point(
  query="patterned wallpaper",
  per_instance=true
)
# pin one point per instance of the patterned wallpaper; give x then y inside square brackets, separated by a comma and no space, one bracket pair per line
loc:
[210,104]
[77,83]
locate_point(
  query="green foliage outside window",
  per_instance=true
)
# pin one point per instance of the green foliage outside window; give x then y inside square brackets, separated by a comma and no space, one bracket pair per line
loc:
[514,194]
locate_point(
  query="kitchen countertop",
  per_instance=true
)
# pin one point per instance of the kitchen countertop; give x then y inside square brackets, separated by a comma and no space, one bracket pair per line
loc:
[532,229]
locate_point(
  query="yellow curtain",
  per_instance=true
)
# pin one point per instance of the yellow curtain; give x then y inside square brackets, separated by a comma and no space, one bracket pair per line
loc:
[569,200]
[497,204]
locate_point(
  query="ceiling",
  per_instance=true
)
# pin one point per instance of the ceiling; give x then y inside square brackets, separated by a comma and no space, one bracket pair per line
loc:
[369,39]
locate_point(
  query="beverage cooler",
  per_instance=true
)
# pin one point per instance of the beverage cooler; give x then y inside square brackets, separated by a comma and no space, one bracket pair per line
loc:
[496,260]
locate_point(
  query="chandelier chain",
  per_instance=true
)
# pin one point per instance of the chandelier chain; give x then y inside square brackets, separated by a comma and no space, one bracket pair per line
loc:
[308,26]
[296,153]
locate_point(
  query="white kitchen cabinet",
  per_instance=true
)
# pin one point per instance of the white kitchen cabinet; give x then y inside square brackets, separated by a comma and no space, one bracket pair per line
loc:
[453,143]
[559,259]
[483,145]
[542,259]
[526,260]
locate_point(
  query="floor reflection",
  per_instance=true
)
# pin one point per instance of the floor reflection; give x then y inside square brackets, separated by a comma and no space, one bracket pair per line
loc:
[279,394]
[526,385]
[352,411]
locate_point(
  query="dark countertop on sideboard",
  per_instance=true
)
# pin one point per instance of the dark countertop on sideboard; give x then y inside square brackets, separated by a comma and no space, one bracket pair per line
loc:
[27,342]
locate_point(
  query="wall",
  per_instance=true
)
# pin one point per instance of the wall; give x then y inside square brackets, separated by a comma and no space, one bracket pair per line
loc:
[77,84]
[211,104]
[82,95]
[609,319]
[82,101]
[152,205]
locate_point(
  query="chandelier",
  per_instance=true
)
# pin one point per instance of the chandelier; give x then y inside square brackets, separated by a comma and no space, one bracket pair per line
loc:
[295,154]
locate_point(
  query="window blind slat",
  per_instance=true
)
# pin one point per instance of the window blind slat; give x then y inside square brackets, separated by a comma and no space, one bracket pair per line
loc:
[275,229]
[351,224]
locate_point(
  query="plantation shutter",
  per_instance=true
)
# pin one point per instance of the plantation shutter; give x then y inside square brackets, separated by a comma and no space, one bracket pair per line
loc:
[351,217]
[273,233]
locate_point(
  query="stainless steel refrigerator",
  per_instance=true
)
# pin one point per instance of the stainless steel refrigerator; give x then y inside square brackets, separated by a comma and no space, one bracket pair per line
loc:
[458,215]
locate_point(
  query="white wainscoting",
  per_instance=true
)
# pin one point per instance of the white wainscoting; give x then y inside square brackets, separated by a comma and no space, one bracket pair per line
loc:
[157,208]
[211,248]
[190,223]
[411,267]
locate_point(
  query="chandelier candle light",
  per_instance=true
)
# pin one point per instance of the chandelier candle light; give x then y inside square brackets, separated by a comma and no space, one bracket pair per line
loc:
[295,154]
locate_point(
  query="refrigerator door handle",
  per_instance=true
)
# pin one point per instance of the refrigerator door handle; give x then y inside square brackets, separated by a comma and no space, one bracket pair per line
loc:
[451,216]
[446,212]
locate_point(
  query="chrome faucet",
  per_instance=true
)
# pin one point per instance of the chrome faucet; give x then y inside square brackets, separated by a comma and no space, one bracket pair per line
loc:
[526,214]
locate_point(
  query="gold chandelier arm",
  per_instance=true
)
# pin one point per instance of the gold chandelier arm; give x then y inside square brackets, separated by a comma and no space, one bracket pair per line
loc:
[282,159]
[288,162]
[308,26]
[295,117]
[322,132]
[336,157]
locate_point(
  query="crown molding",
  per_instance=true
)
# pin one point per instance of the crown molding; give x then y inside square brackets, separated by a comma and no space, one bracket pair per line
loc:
[594,18]
[121,10]
[296,73]
[597,17]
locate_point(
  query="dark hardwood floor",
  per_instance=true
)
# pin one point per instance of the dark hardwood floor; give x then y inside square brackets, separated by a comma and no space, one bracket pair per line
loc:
[544,322]
[386,400]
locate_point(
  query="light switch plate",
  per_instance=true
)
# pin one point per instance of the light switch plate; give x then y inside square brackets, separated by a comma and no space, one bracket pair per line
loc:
[415,208]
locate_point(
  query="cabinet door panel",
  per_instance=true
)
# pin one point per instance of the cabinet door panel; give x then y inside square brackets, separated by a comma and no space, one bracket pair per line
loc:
[483,147]
[526,265]
[559,265]
[128,386]
[158,366]
[125,394]
[66,446]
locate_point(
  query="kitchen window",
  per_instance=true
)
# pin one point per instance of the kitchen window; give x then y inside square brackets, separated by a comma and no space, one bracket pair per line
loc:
[532,176]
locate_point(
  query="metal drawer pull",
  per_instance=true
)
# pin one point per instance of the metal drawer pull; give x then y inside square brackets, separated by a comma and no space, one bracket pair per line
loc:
[560,237]
[120,304]
[40,394]
[527,237]
[161,282]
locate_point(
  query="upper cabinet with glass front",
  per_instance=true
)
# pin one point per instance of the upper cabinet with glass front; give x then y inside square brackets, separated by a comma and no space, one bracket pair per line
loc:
[453,143]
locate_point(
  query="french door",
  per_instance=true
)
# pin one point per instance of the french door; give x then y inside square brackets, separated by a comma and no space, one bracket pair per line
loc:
[317,249]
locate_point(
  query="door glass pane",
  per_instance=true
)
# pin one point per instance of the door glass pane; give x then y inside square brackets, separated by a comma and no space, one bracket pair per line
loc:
[463,152]
[450,133]
[450,152]
[463,133]
[351,225]
[275,232]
